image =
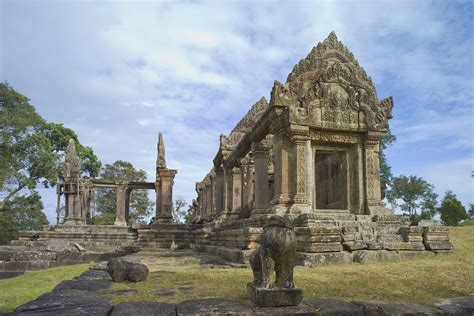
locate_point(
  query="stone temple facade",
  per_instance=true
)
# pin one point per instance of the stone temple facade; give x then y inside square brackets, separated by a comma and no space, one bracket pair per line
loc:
[311,154]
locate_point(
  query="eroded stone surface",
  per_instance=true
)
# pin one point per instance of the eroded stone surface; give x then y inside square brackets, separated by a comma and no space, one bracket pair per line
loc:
[458,306]
[144,308]
[334,307]
[214,307]
[125,269]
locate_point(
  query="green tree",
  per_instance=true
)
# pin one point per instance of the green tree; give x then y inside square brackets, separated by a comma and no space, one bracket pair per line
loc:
[471,210]
[386,176]
[31,152]
[415,194]
[106,198]
[451,210]
[180,212]
[32,149]
[24,213]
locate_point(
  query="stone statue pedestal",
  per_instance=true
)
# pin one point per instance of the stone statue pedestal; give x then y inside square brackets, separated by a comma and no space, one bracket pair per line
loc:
[274,297]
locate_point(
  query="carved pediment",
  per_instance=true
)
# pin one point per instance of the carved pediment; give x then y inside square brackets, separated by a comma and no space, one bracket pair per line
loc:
[331,78]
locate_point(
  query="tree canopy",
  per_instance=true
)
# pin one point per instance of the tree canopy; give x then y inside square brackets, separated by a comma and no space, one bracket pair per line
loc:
[31,148]
[31,153]
[451,211]
[414,196]
[106,198]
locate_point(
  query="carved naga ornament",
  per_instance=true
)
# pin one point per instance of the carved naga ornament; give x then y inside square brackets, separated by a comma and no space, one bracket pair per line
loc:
[331,78]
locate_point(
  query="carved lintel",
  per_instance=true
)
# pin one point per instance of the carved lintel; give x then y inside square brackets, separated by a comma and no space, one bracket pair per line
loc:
[334,137]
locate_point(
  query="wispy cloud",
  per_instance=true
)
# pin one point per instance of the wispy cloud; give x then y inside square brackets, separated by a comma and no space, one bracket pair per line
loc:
[120,72]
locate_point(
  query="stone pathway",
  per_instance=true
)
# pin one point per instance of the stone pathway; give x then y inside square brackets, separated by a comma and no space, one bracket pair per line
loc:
[89,294]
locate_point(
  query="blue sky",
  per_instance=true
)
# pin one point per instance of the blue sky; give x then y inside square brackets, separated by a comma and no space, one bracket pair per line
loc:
[120,72]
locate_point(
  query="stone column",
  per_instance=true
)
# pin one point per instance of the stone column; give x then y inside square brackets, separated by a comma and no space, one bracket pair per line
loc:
[261,160]
[228,180]
[247,185]
[372,168]
[282,197]
[120,217]
[208,183]
[73,204]
[299,172]
[310,173]
[236,192]
[219,192]
[164,195]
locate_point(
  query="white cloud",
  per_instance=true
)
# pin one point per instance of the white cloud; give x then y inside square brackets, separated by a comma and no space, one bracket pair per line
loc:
[118,73]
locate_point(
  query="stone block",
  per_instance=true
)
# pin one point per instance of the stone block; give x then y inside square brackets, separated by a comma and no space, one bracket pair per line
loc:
[7,255]
[14,266]
[286,310]
[317,259]
[144,308]
[35,256]
[462,306]
[38,265]
[354,245]
[320,247]
[388,308]
[66,305]
[368,256]
[439,245]
[214,307]
[124,269]
[10,274]
[334,307]
[274,297]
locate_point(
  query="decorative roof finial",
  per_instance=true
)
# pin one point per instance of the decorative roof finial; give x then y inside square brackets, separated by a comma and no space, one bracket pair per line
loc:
[72,163]
[161,159]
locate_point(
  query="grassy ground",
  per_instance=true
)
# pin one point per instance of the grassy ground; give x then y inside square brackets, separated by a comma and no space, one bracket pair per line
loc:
[173,279]
[423,280]
[27,287]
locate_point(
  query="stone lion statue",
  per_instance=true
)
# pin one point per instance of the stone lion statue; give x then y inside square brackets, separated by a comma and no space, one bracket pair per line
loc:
[277,253]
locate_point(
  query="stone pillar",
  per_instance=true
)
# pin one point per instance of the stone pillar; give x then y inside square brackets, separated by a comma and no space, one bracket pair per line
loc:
[247,185]
[372,168]
[310,173]
[120,215]
[71,172]
[282,196]
[73,204]
[236,192]
[219,192]
[208,183]
[261,160]
[228,180]
[164,195]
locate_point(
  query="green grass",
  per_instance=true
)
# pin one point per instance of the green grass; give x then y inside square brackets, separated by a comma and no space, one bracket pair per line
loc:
[27,287]
[423,280]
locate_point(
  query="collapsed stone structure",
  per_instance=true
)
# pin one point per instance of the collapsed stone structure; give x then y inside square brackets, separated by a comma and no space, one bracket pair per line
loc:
[311,154]
[74,225]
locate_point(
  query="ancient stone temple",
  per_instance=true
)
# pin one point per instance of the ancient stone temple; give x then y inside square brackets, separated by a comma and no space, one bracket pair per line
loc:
[310,154]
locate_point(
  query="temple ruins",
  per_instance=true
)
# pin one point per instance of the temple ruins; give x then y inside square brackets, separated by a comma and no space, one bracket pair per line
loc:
[310,154]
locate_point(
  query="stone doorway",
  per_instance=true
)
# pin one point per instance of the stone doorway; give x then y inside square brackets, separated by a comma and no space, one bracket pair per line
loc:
[331,180]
